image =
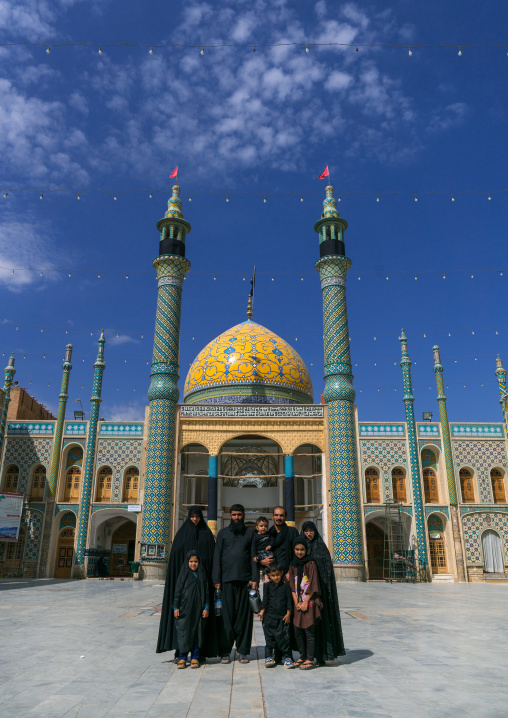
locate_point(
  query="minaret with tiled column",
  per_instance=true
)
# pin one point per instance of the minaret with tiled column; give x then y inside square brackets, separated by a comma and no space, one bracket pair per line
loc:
[171,266]
[414,460]
[9,372]
[49,514]
[450,472]
[346,520]
[501,380]
[86,489]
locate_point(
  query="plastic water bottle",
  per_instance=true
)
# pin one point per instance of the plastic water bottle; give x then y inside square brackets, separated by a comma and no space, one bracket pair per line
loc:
[217,602]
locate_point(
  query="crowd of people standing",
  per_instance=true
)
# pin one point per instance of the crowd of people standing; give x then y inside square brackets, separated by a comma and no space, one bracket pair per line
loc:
[211,589]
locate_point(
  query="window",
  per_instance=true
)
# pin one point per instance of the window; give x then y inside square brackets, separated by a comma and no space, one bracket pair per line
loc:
[430,486]
[372,485]
[11,479]
[498,491]
[72,479]
[104,481]
[38,484]
[399,485]
[466,486]
[131,485]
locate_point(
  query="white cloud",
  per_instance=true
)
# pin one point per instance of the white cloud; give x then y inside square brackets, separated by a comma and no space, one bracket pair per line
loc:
[446,117]
[78,101]
[130,411]
[116,339]
[338,80]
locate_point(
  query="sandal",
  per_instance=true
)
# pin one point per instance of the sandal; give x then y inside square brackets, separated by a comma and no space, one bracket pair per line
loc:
[242,658]
[307,666]
[194,663]
[225,659]
[298,663]
[181,664]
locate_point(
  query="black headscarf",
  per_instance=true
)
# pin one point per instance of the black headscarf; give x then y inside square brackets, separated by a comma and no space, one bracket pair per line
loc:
[199,539]
[330,642]
[299,563]
[192,595]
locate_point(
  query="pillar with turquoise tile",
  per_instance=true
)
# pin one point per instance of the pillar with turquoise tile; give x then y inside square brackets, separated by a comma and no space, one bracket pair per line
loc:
[414,458]
[62,404]
[346,520]
[171,267]
[86,490]
[501,380]
[9,372]
[450,471]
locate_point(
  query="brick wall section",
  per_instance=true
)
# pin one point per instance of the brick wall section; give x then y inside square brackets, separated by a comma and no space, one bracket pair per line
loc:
[24,407]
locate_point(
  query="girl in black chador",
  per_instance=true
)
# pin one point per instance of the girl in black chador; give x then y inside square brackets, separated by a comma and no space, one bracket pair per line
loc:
[191,609]
[193,535]
[329,641]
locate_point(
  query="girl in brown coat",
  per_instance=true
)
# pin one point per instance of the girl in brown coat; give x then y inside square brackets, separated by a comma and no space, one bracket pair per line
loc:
[304,583]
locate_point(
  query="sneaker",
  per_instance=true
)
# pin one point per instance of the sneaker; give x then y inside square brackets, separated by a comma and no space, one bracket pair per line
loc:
[288,663]
[269,662]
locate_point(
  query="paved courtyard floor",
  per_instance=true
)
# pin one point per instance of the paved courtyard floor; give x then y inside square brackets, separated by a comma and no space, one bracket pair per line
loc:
[86,649]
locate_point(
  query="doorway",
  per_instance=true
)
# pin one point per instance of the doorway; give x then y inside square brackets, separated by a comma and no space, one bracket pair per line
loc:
[375,551]
[123,543]
[492,553]
[13,563]
[64,553]
[438,554]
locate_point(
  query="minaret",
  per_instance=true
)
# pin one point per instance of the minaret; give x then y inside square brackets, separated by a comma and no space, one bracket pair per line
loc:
[9,372]
[416,481]
[86,491]
[450,473]
[346,520]
[62,403]
[501,380]
[171,266]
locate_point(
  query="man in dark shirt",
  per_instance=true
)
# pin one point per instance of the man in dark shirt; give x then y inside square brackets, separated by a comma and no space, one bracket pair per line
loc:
[282,540]
[233,572]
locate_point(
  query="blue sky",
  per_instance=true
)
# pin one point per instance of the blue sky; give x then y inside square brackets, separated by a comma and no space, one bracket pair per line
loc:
[245,125]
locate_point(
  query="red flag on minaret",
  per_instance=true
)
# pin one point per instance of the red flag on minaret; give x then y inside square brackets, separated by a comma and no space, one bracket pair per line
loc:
[325,173]
[174,173]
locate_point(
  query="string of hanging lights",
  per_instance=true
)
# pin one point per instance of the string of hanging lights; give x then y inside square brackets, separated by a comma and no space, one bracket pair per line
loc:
[305,45]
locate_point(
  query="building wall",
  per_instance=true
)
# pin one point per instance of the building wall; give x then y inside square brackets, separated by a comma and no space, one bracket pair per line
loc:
[24,407]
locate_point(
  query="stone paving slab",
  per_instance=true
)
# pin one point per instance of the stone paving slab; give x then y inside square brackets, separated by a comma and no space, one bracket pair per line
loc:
[86,649]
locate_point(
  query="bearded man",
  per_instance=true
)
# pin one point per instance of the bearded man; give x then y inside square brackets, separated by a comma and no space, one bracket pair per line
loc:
[283,537]
[234,572]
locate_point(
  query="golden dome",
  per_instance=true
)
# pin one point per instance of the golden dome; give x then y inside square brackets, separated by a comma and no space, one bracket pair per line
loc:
[248,364]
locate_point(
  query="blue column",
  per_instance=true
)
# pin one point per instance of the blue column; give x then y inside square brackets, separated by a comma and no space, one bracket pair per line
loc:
[416,481]
[212,493]
[289,489]
[9,372]
[86,492]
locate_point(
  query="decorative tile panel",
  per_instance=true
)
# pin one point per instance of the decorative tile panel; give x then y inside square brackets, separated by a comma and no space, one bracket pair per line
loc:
[66,507]
[433,509]
[382,431]
[386,455]
[474,525]
[119,455]
[26,453]
[233,411]
[428,429]
[31,428]
[75,428]
[32,522]
[430,442]
[477,431]
[479,508]
[482,456]
[68,520]
[125,429]
[80,442]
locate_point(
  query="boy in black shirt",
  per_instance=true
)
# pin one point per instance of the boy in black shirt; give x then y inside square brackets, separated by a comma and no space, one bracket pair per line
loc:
[276,617]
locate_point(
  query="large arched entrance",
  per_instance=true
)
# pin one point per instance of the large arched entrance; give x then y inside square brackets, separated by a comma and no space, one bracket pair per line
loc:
[64,553]
[437,545]
[123,544]
[492,552]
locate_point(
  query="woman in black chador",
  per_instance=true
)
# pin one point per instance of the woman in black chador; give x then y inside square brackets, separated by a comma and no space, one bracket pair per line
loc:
[329,643]
[193,535]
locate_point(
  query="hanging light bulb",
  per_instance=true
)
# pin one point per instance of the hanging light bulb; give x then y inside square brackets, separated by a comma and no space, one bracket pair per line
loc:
[41,196]
[150,196]
[453,198]
[48,51]
[339,199]
[501,273]
[41,274]
[78,197]
[273,279]
[359,278]
[126,276]
[377,199]
[5,195]
[202,51]
[444,276]
[214,278]
[264,199]
[459,52]
[387,277]
[307,49]
[357,48]
[227,198]
[190,198]
[100,50]
[472,276]
[410,52]
[114,196]
[301,278]
[301,199]
[98,276]
[69,274]
[254,49]
[150,52]
[416,198]
[416,277]
[489,197]
[12,271]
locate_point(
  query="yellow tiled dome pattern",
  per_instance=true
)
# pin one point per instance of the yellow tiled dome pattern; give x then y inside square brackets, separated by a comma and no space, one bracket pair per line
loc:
[248,356]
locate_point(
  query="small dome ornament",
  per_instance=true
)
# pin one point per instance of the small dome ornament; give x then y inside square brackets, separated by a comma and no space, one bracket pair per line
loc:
[330,204]
[175,204]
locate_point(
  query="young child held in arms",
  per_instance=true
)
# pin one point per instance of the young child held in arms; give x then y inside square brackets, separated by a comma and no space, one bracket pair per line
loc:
[191,609]
[262,540]
[276,617]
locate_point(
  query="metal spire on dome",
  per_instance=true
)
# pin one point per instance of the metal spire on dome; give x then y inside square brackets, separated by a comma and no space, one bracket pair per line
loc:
[250,300]
[175,204]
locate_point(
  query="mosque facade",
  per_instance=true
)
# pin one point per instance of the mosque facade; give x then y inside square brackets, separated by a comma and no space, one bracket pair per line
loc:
[394,500]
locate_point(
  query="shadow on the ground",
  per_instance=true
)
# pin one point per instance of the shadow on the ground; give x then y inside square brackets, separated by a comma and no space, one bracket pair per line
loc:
[353,656]
[7,584]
